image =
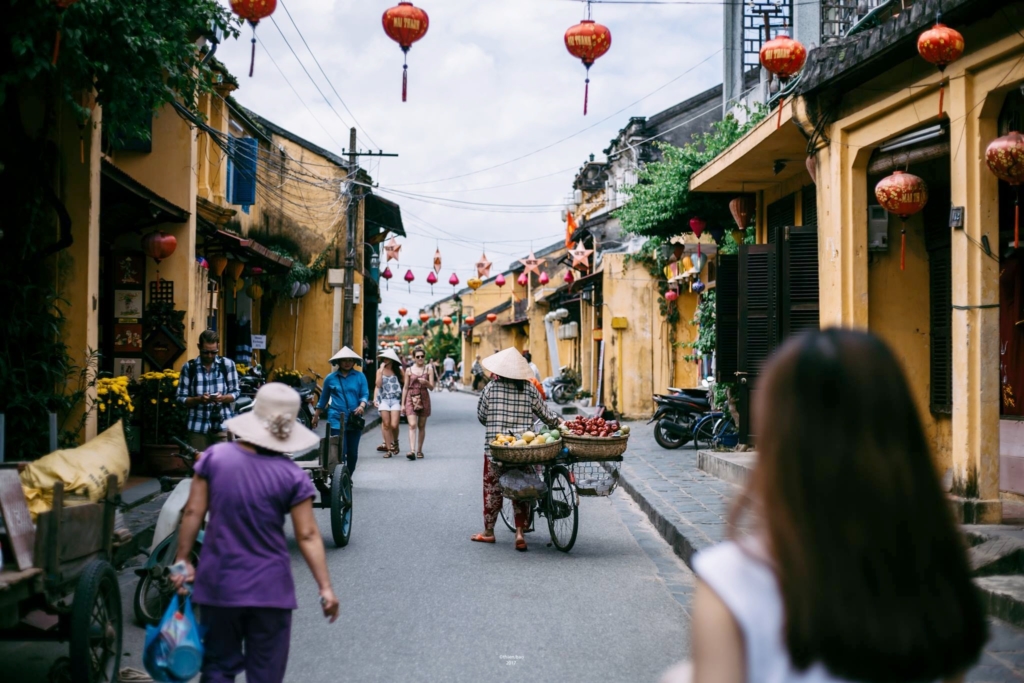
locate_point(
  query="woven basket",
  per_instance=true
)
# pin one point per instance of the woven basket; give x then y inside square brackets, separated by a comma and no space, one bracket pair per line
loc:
[596,478]
[526,455]
[595,447]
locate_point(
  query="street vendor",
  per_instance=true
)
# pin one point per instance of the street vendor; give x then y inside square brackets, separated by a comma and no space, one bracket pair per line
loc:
[344,399]
[508,404]
[207,387]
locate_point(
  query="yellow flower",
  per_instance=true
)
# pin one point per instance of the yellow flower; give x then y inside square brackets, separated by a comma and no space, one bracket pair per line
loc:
[165,400]
[101,392]
[174,383]
[102,407]
[120,403]
[153,401]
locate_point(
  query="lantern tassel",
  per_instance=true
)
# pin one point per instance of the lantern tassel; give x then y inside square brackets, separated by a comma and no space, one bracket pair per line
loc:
[586,95]
[778,123]
[942,93]
[252,57]
[903,249]
[56,48]
[405,80]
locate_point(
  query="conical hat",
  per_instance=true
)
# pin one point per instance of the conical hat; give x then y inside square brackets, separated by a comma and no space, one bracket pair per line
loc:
[344,353]
[391,355]
[509,364]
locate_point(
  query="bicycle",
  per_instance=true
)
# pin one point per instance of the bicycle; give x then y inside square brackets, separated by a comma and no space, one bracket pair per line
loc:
[447,383]
[559,504]
[715,430]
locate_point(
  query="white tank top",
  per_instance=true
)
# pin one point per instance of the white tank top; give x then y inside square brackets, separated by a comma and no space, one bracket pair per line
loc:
[748,588]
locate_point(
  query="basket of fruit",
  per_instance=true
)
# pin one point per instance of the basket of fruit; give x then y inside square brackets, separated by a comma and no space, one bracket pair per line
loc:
[595,438]
[528,448]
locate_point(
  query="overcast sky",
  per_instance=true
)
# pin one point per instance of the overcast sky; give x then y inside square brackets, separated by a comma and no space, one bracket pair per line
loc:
[491,81]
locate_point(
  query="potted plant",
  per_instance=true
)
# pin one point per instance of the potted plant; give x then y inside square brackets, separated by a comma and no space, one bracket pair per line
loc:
[162,417]
[292,378]
[113,403]
[584,397]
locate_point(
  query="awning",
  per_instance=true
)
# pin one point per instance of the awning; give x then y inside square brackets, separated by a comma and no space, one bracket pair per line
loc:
[250,251]
[383,215]
[763,158]
[127,204]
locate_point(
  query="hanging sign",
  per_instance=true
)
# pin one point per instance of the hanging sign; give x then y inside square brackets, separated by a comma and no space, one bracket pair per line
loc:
[259,342]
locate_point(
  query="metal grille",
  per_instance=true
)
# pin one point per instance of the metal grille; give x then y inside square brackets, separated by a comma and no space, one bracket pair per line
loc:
[780,14]
[839,16]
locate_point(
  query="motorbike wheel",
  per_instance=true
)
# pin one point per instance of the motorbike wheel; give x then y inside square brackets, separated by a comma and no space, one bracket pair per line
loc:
[152,596]
[667,439]
[562,394]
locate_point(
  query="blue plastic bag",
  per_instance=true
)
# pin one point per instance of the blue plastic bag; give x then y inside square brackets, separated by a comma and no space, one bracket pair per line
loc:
[174,648]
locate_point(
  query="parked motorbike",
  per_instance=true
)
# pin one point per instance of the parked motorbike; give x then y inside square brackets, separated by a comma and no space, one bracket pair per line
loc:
[677,414]
[250,382]
[562,389]
[155,590]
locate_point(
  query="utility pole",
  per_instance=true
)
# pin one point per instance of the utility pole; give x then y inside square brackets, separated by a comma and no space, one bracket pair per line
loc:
[354,194]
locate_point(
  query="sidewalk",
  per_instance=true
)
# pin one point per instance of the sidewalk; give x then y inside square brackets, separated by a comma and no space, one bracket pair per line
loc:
[690,509]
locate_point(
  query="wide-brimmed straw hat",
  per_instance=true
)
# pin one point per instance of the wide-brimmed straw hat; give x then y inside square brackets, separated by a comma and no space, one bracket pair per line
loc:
[346,353]
[391,355]
[509,364]
[271,423]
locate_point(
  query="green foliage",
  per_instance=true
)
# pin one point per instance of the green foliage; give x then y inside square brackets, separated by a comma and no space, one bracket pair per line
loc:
[661,199]
[705,322]
[443,343]
[159,313]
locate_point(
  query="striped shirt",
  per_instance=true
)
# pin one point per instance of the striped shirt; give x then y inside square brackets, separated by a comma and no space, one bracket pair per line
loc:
[505,409]
[194,380]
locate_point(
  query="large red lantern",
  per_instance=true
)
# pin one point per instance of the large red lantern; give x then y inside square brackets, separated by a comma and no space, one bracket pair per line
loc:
[405,24]
[252,11]
[159,245]
[1005,158]
[784,57]
[587,41]
[940,45]
[491,317]
[903,194]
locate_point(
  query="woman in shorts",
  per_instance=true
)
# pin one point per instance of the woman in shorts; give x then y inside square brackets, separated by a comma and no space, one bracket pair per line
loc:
[388,399]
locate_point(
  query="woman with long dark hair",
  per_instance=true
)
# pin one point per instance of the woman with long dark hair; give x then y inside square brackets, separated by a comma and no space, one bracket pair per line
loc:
[855,570]
[419,380]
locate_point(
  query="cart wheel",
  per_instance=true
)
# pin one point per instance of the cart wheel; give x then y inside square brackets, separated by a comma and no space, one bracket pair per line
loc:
[341,506]
[95,649]
[562,512]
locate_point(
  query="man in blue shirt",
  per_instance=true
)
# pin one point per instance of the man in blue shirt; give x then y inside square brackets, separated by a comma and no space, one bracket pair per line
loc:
[207,387]
[344,395]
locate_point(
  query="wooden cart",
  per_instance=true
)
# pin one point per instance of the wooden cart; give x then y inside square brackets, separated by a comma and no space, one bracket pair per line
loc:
[62,585]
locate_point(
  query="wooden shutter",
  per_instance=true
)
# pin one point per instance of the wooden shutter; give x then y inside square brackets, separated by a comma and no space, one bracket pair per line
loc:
[757,323]
[726,322]
[799,290]
[242,183]
[940,293]
[809,205]
[778,215]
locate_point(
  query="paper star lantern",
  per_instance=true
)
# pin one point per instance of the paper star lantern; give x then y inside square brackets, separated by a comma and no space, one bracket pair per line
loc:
[532,263]
[437,261]
[483,266]
[391,250]
[581,257]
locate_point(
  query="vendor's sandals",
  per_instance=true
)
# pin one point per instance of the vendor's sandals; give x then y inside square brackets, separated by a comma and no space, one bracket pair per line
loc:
[419,454]
[410,455]
[480,538]
[521,545]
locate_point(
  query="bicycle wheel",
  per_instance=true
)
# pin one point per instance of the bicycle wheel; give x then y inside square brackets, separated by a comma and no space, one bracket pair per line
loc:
[562,513]
[508,515]
[704,432]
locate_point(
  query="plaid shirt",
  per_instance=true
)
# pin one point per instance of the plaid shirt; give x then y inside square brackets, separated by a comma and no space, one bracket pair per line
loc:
[215,381]
[503,408]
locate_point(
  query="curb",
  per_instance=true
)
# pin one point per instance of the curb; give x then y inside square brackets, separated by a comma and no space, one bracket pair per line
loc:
[684,544]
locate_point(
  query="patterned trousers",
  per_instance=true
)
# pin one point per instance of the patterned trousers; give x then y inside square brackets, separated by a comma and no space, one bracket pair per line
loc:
[493,497]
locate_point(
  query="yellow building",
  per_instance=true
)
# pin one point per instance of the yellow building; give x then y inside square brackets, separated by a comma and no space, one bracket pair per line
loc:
[865,106]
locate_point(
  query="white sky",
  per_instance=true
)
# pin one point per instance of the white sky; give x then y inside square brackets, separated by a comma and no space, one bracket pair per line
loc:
[491,81]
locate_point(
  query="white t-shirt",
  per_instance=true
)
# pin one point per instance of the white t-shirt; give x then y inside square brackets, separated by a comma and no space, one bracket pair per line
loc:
[449,364]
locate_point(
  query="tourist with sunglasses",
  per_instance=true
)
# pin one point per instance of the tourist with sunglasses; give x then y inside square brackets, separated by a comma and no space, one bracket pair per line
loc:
[207,387]
[419,380]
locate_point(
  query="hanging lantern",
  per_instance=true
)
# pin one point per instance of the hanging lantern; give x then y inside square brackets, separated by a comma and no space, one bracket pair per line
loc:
[256,270]
[255,292]
[437,261]
[61,5]
[238,286]
[699,261]
[697,225]
[218,262]
[424,317]
[903,194]
[409,278]
[453,281]
[811,162]
[387,275]
[446,320]
[698,286]
[203,262]
[569,277]
[474,283]
[491,317]
[940,45]
[431,280]
[784,57]
[500,280]
[587,41]
[471,321]
[742,208]
[523,279]
[235,269]
[686,263]
[408,322]
[483,266]
[387,320]
[252,11]
[405,24]
[1005,158]
[402,312]
[671,295]
[159,245]
[543,279]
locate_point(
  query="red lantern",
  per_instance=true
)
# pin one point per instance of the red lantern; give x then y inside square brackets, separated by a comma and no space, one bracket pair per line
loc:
[742,208]
[405,25]
[409,278]
[252,11]
[1005,158]
[671,295]
[491,317]
[500,280]
[784,57]
[523,279]
[544,279]
[697,225]
[471,321]
[569,277]
[587,41]
[446,320]
[402,312]
[159,245]
[431,280]
[61,5]
[387,275]
[424,317]
[940,45]
[903,194]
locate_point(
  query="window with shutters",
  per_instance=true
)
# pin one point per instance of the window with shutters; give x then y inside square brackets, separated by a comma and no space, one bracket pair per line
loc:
[780,214]
[757,324]
[799,281]
[940,293]
[809,205]
[242,155]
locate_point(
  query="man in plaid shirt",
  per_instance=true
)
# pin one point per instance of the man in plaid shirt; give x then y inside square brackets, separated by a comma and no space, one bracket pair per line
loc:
[208,385]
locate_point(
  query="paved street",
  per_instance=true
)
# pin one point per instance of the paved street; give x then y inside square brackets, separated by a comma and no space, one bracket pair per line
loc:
[420,602]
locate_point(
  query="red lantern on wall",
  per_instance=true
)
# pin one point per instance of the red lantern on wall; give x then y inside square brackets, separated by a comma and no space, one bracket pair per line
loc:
[903,194]
[159,245]
[471,321]
[252,11]
[405,24]
[1005,158]
[784,57]
[587,41]
[491,317]
[940,45]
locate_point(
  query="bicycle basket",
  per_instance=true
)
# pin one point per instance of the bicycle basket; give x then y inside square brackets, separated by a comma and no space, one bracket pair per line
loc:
[596,447]
[522,485]
[596,478]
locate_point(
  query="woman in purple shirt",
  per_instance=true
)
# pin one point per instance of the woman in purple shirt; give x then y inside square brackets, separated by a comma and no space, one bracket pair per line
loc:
[244,584]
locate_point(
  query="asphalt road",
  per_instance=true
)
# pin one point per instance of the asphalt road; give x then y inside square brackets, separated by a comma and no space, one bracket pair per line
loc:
[420,602]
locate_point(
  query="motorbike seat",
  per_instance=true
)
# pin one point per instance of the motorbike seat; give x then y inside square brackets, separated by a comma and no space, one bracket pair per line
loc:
[688,401]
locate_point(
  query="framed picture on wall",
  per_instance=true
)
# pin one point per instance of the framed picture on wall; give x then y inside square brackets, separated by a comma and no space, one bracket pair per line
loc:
[129,269]
[128,303]
[128,367]
[128,338]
